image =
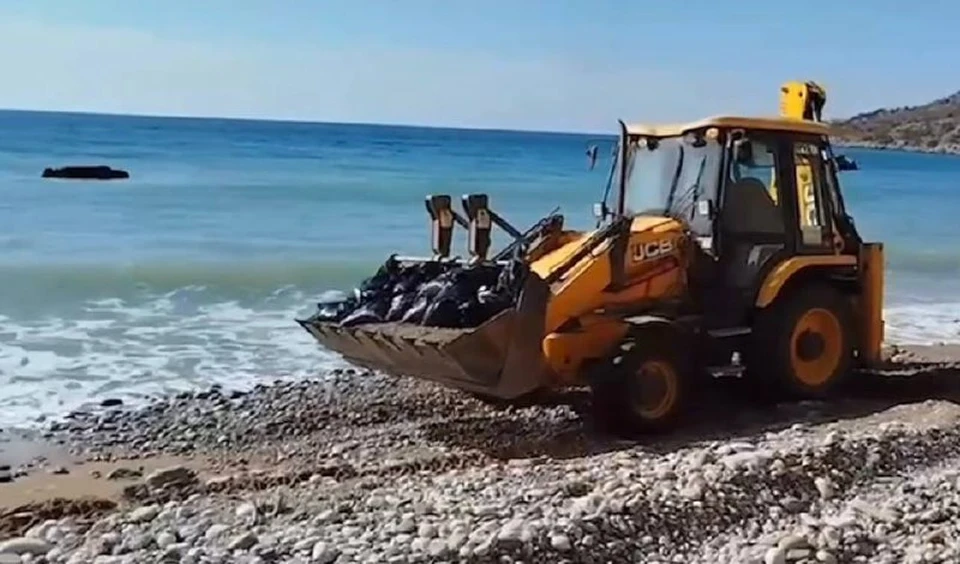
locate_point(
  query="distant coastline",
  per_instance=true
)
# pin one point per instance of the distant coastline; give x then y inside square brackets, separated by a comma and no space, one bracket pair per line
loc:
[839,141]
[933,128]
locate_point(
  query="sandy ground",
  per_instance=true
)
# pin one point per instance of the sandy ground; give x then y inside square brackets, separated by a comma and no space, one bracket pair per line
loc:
[82,481]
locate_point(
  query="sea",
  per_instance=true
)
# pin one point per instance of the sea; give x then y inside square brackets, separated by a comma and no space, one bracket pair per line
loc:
[192,272]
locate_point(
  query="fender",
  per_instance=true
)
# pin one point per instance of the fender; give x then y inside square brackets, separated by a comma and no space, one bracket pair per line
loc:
[786,270]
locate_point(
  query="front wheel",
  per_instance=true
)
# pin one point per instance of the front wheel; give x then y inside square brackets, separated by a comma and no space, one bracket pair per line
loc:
[645,386]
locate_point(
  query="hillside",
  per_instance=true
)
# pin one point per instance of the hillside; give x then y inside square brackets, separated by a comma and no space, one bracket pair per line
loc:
[932,127]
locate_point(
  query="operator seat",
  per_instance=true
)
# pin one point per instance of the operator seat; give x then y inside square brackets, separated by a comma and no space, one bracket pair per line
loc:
[749,209]
[752,230]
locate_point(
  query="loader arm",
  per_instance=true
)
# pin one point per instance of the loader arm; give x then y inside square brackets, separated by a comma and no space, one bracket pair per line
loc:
[631,266]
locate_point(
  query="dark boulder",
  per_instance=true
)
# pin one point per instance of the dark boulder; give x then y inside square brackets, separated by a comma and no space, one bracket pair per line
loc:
[86,173]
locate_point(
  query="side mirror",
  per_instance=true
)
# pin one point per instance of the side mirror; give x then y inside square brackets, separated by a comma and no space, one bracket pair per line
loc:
[592,152]
[742,151]
[706,208]
[600,210]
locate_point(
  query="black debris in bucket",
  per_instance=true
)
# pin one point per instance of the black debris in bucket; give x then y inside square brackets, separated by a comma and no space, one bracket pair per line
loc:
[430,293]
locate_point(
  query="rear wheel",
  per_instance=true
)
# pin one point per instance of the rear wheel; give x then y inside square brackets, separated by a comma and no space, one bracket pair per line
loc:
[805,343]
[645,386]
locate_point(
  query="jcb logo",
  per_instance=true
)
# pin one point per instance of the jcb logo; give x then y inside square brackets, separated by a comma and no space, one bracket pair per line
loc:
[652,249]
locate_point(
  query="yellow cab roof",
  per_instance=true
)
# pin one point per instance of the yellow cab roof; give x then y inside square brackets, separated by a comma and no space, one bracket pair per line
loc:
[772,124]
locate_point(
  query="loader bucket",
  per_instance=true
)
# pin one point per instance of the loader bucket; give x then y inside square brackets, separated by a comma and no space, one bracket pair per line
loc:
[501,358]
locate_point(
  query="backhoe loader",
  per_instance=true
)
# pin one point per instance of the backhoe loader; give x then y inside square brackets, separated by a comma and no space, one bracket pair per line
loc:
[723,249]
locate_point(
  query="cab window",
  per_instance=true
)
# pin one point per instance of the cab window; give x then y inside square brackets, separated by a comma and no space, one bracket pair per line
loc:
[810,181]
[751,202]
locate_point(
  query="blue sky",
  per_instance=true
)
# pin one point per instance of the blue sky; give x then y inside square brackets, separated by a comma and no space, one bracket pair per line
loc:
[529,64]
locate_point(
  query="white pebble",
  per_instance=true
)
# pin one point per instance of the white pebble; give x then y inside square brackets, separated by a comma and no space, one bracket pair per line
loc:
[144,514]
[25,545]
[560,542]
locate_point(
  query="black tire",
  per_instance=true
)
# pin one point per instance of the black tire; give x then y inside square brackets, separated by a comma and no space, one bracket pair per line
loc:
[626,399]
[803,344]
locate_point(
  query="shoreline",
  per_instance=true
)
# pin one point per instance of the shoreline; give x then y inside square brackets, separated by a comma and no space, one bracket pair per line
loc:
[361,467]
[29,433]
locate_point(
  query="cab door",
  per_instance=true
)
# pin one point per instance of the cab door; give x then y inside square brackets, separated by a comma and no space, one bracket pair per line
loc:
[754,227]
[814,227]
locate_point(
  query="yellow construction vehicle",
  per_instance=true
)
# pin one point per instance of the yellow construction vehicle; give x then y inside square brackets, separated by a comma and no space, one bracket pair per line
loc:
[726,250]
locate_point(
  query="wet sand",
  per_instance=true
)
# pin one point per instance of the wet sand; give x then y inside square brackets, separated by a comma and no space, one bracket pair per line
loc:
[18,448]
[82,480]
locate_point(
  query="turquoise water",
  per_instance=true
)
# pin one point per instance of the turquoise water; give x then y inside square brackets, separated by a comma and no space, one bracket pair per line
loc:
[190,272]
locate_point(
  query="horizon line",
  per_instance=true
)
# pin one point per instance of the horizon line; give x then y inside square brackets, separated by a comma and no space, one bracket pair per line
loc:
[290,121]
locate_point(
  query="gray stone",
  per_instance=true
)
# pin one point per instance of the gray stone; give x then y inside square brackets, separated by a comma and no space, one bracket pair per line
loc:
[247,511]
[137,541]
[144,514]
[323,553]
[243,541]
[427,531]
[406,525]
[775,555]
[171,477]
[25,545]
[166,539]
[511,531]
[436,548]
[826,557]
[122,473]
[560,542]
[875,512]
[791,542]
[215,531]
[747,459]
[825,487]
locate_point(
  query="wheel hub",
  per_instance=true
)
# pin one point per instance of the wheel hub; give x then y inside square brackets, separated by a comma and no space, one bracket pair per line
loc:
[816,347]
[810,345]
[653,389]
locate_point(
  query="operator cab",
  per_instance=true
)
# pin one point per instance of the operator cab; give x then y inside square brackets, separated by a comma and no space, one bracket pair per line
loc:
[752,192]
[779,198]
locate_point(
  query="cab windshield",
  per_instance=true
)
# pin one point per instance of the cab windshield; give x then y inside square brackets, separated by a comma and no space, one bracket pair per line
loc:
[667,176]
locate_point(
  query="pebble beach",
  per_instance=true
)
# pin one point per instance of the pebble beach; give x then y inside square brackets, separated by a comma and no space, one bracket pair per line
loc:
[358,467]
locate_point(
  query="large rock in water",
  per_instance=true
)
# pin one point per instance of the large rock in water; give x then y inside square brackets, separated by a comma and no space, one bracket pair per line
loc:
[86,173]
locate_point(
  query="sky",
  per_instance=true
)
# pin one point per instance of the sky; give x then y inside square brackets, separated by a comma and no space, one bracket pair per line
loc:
[556,65]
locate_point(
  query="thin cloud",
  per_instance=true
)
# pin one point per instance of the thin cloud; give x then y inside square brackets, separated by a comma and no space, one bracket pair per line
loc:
[79,68]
